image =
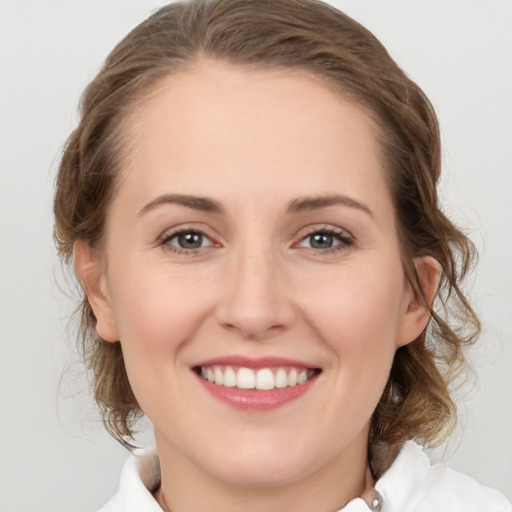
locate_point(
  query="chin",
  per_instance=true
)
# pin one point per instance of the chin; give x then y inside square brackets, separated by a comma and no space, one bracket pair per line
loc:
[263,474]
[263,464]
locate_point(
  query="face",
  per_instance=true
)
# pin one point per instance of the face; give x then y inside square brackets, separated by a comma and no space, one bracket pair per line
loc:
[252,243]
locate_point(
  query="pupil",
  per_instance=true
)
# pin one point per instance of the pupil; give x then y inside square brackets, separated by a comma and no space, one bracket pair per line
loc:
[190,240]
[321,241]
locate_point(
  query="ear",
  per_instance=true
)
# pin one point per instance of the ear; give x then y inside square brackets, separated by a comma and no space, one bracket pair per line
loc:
[91,274]
[416,315]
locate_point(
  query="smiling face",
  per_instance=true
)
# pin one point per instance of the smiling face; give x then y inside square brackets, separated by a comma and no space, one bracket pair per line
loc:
[252,242]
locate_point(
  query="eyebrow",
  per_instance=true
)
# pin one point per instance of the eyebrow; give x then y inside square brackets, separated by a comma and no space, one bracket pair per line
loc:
[203,204]
[298,205]
[317,202]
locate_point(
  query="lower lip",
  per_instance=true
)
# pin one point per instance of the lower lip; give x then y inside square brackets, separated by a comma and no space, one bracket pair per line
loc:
[251,399]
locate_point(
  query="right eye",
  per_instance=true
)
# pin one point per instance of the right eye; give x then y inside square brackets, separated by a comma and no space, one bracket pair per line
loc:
[186,240]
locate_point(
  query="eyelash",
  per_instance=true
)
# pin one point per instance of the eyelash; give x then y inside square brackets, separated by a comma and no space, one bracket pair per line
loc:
[344,239]
[167,237]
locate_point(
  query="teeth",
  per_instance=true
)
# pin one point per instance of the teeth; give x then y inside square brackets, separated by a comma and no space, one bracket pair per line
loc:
[229,377]
[281,379]
[263,379]
[245,379]
[219,376]
[292,377]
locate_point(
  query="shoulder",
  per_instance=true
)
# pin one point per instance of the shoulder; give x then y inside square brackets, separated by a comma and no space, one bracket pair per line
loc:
[412,484]
[139,477]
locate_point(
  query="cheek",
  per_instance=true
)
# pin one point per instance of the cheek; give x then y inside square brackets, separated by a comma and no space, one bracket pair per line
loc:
[158,315]
[356,310]
[155,318]
[359,319]
[362,334]
[156,308]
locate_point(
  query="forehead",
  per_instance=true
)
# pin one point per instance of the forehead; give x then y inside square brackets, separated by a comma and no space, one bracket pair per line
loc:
[276,128]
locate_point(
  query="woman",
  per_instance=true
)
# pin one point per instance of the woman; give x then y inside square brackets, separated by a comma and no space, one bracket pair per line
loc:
[250,204]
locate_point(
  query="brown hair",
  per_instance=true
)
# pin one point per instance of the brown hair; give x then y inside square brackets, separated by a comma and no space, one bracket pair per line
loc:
[305,35]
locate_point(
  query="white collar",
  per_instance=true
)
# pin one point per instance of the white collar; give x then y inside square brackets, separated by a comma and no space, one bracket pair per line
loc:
[411,484]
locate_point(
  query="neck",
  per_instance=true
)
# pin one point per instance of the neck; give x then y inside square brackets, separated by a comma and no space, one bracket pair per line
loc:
[186,486]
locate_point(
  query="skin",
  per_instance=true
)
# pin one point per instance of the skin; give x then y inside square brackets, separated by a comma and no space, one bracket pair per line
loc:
[254,142]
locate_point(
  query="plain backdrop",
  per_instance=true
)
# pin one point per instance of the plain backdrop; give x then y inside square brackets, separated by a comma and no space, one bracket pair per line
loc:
[54,454]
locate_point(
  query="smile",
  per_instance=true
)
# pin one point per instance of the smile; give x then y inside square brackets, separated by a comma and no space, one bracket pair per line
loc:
[262,379]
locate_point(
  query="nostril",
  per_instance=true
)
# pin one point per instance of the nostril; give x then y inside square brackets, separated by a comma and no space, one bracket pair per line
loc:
[256,318]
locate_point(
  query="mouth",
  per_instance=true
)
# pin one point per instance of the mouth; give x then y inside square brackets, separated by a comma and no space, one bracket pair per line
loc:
[256,384]
[260,379]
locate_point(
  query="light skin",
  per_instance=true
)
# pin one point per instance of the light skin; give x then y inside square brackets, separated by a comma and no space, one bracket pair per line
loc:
[280,181]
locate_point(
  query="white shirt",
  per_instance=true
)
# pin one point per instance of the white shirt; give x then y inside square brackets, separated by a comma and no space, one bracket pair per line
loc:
[411,484]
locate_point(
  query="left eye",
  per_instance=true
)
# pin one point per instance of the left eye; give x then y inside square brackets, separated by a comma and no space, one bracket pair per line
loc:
[188,240]
[324,240]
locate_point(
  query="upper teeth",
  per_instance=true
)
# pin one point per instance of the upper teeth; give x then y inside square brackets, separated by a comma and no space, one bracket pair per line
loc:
[262,379]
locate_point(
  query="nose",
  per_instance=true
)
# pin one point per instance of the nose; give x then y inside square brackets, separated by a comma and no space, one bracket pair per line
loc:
[255,300]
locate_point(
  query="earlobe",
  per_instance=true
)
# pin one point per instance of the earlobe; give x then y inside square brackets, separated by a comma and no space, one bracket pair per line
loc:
[91,274]
[417,314]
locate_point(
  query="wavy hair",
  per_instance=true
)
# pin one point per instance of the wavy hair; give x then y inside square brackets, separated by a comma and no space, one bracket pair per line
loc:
[310,36]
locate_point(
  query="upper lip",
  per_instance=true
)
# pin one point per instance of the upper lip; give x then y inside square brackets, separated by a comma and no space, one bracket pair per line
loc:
[253,362]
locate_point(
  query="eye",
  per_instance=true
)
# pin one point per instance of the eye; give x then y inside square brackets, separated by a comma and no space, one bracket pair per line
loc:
[326,239]
[188,240]
[320,241]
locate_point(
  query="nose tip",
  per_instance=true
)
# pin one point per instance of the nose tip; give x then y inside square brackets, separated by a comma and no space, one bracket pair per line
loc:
[254,328]
[255,302]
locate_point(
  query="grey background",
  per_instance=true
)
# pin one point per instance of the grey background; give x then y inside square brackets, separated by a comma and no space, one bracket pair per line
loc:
[55,456]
